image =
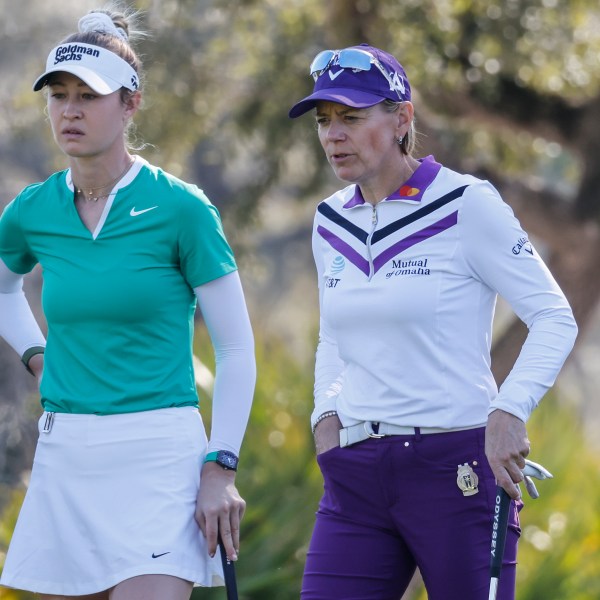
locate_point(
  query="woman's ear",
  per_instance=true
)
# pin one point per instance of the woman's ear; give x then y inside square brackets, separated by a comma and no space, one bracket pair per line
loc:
[405,115]
[132,103]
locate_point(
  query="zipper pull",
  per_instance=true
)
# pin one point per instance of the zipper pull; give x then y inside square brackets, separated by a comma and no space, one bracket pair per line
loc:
[374,216]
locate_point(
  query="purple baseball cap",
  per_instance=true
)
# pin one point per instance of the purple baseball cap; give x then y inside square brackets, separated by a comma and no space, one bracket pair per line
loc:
[356,87]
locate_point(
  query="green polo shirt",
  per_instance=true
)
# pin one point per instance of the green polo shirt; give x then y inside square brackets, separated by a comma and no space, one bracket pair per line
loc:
[119,302]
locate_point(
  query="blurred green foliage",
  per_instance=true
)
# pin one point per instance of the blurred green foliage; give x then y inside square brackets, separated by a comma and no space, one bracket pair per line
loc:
[221,77]
[560,546]
[279,478]
[226,79]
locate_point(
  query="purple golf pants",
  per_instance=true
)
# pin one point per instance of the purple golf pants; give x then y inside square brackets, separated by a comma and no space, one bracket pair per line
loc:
[393,504]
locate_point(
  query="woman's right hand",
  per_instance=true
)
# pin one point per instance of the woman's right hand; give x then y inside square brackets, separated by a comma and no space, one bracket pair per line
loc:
[219,509]
[327,434]
[506,447]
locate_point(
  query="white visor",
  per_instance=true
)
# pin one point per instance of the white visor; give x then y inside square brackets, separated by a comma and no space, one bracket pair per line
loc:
[101,69]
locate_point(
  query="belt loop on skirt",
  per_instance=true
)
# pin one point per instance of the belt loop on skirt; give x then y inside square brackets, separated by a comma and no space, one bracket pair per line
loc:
[417,434]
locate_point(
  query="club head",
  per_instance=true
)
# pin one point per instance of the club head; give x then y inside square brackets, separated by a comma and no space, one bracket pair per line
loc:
[536,470]
[530,487]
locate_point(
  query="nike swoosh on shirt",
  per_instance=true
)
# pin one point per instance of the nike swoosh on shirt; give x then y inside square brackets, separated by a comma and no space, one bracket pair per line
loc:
[159,555]
[135,213]
[333,75]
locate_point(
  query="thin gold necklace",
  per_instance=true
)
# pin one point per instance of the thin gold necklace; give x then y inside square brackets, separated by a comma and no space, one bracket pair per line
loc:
[87,194]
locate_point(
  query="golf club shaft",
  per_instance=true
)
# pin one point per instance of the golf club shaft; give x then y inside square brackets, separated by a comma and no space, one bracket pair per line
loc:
[499,530]
[228,573]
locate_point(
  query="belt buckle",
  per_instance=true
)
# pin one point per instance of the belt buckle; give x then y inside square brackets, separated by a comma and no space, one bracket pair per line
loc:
[371,433]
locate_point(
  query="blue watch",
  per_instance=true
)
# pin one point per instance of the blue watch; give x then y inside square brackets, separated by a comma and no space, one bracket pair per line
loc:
[228,460]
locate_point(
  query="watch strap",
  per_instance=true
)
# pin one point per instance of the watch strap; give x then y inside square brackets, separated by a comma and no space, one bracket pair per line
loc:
[224,458]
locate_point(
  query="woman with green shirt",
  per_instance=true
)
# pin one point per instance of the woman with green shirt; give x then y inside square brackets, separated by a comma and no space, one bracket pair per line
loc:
[127,496]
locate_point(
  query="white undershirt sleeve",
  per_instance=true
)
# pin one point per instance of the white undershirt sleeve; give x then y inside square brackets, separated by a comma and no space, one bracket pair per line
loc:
[224,310]
[500,254]
[329,367]
[17,323]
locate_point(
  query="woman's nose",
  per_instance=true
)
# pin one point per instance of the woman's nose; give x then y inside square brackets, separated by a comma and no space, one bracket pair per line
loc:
[72,110]
[335,131]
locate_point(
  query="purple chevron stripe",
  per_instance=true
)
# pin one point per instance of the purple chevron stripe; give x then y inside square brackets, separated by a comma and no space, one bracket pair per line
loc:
[415,238]
[344,249]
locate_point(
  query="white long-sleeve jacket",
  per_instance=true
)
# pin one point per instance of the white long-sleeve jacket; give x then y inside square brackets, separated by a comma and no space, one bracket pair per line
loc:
[408,290]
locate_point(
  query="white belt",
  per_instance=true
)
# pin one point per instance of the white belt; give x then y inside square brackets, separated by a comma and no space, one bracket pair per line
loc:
[363,431]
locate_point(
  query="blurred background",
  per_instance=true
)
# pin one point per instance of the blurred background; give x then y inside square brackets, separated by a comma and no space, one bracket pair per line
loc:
[506,90]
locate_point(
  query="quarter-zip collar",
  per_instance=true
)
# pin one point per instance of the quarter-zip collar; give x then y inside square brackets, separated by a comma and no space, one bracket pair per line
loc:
[411,191]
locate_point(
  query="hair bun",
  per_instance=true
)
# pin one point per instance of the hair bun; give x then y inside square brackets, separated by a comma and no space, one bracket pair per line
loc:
[99,22]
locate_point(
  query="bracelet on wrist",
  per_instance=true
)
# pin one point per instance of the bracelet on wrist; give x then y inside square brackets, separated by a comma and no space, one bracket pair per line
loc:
[29,354]
[322,416]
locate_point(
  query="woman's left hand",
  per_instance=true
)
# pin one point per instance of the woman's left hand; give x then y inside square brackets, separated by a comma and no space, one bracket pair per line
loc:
[219,509]
[506,446]
[36,364]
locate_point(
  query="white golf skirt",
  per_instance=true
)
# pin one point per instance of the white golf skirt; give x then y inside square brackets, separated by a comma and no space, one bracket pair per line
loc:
[112,497]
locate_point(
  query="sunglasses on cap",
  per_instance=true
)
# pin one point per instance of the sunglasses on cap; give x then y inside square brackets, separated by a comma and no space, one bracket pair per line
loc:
[350,58]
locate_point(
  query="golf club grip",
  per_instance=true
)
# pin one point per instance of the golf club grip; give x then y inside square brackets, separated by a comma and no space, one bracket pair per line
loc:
[228,573]
[499,530]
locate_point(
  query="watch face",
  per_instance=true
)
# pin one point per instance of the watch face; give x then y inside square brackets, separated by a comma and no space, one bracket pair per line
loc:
[227,459]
